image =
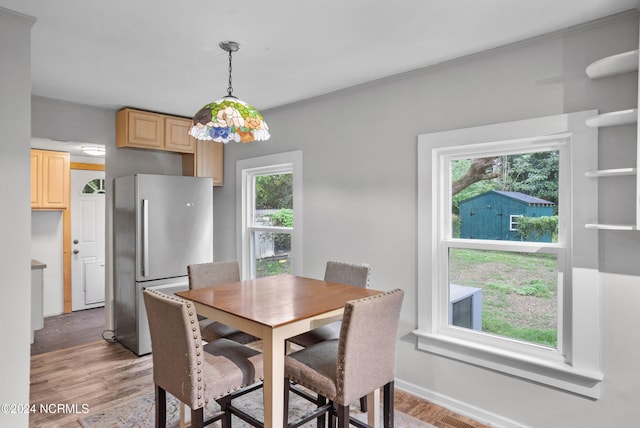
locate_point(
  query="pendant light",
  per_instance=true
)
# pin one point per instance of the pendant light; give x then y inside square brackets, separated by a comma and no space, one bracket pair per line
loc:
[229,118]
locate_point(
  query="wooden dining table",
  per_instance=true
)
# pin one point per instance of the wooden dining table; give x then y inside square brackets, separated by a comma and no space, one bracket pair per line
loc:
[274,309]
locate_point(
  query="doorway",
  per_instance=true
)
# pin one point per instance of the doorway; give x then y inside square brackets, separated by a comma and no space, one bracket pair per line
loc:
[87,237]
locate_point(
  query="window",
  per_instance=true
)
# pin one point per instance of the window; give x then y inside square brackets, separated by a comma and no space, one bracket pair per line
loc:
[94,187]
[513,222]
[502,242]
[269,233]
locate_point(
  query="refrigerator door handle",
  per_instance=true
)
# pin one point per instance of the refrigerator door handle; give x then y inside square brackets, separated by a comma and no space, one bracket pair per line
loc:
[145,237]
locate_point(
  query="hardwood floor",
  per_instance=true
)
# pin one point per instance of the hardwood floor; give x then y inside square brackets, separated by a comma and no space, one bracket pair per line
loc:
[92,376]
[68,330]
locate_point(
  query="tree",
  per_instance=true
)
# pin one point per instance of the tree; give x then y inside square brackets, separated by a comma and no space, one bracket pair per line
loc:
[274,191]
[480,169]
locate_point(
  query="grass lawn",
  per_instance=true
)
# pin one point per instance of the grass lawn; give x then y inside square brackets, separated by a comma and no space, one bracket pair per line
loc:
[519,292]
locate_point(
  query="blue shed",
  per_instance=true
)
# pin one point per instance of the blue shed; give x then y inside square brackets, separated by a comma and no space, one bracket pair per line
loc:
[494,215]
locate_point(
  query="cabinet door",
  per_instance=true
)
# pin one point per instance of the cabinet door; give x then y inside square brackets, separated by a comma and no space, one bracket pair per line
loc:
[210,161]
[139,129]
[207,161]
[36,178]
[177,138]
[55,180]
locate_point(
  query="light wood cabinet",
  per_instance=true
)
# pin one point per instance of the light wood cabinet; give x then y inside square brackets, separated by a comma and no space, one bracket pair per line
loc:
[176,135]
[147,130]
[49,179]
[207,161]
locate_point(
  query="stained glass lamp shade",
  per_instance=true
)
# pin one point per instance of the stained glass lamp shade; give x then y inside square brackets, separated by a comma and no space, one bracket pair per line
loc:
[229,119]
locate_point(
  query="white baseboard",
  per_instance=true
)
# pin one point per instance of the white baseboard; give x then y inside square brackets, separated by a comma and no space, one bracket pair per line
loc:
[459,407]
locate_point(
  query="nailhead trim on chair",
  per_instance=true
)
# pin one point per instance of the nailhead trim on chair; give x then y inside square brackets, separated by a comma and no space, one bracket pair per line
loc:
[198,339]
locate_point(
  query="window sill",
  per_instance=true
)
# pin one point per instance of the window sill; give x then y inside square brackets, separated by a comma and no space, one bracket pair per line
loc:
[558,375]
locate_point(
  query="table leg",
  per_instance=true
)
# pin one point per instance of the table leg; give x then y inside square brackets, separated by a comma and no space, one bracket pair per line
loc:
[373,409]
[273,357]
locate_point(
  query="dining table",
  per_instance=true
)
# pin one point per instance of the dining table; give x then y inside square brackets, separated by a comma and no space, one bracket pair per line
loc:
[274,309]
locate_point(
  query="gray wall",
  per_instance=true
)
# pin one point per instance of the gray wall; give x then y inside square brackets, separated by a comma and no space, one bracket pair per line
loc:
[360,196]
[15,257]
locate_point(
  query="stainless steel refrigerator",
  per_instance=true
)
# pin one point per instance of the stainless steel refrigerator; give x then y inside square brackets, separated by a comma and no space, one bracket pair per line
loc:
[161,224]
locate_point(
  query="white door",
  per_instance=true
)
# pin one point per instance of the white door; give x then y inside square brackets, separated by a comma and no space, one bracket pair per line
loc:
[87,239]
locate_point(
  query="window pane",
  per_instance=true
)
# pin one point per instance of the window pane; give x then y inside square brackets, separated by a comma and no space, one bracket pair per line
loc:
[272,253]
[507,197]
[273,200]
[507,294]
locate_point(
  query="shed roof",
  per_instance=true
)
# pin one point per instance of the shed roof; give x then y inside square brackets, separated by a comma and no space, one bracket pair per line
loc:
[532,200]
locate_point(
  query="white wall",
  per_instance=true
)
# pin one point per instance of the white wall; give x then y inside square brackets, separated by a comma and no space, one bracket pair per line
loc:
[360,201]
[15,257]
[46,247]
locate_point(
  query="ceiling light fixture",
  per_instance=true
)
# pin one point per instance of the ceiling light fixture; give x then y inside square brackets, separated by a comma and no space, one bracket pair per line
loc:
[229,118]
[93,150]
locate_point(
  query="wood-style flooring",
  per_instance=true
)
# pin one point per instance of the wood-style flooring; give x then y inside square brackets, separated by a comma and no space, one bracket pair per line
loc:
[98,373]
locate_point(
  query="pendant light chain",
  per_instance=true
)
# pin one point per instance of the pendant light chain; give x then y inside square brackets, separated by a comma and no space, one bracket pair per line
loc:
[230,88]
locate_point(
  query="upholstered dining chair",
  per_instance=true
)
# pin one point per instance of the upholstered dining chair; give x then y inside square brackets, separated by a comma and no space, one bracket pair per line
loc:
[343,273]
[361,361]
[195,374]
[214,273]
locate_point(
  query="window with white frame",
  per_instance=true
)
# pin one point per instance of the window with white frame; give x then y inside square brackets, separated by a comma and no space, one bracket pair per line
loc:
[489,294]
[269,232]
[513,222]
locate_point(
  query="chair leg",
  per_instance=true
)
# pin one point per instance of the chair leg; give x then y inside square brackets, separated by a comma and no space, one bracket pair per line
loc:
[183,423]
[197,418]
[285,402]
[322,418]
[387,409]
[363,404]
[224,406]
[161,407]
[343,416]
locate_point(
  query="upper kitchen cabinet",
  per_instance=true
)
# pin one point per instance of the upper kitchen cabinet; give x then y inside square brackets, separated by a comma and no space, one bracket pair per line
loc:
[207,161]
[49,180]
[147,130]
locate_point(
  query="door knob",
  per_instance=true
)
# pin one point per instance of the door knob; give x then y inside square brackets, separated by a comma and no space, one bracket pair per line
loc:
[76,251]
[75,241]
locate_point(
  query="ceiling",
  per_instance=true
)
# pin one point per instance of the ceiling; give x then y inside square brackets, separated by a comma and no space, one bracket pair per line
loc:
[163,55]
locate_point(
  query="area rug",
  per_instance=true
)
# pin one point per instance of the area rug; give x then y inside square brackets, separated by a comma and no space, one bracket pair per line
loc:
[139,412]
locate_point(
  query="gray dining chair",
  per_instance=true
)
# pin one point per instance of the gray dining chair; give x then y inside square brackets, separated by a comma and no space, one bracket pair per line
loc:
[214,273]
[342,273]
[194,373]
[361,361]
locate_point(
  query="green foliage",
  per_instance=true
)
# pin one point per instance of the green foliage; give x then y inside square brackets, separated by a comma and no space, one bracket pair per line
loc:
[495,325]
[284,217]
[536,288]
[274,191]
[272,267]
[530,228]
[534,174]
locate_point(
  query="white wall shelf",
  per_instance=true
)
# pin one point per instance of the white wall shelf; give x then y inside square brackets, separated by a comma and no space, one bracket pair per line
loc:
[611,172]
[614,118]
[611,226]
[613,65]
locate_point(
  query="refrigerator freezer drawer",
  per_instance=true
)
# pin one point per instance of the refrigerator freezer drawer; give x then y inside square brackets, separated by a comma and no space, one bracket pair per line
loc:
[144,337]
